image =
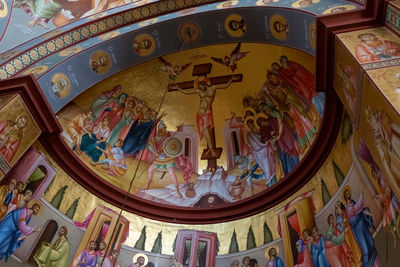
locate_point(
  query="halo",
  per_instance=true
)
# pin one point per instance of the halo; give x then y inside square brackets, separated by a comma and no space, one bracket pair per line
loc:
[35,201]
[248,119]
[282,20]
[332,9]
[65,91]
[269,248]
[297,3]
[312,34]
[141,51]
[236,17]
[135,258]
[36,70]
[261,2]
[344,190]
[227,4]
[108,35]
[4,11]
[250,109]
[95,56]
[70,51]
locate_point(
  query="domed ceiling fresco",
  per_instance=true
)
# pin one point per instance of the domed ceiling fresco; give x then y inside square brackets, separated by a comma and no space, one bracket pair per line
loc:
[223,122]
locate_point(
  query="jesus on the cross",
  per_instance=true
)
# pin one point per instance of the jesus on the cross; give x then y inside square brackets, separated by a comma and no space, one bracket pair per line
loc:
[204,118]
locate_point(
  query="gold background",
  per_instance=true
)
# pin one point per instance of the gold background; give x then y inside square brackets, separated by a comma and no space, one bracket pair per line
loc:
[341,154]
[147,83]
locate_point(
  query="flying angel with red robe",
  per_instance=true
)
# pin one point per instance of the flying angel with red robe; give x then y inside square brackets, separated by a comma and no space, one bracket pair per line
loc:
[230,61]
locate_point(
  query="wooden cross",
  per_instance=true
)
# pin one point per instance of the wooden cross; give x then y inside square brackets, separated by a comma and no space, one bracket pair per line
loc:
[202,70]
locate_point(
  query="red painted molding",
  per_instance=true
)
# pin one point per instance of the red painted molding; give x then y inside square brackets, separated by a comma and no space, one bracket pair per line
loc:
[327,26]
[34,99]
[67,160]
[65,157]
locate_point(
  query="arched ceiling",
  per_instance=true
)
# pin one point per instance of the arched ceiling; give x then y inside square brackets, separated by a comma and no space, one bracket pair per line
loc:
[64,61]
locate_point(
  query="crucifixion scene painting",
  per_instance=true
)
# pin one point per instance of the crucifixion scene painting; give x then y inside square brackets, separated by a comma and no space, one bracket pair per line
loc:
[202,127]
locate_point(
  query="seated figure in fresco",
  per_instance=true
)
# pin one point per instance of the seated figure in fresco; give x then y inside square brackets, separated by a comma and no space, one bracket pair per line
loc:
[11,135]
[249,168]
[94,143]
[303,255]
[80,125]
[372,48]
[274,260]
[361,224]
[337,250]
[54,255]
[6,195]
[14,229]
[88,257]
[318,251]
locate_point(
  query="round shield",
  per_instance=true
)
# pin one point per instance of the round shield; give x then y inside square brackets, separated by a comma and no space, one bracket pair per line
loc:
[173,147]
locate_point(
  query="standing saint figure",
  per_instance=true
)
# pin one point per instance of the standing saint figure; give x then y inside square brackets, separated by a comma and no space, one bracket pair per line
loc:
[274,260]
[14,229]
[54,255]
[88,257]
[11,136]
[337,250]
[204,117]
[6,195]
[361,224]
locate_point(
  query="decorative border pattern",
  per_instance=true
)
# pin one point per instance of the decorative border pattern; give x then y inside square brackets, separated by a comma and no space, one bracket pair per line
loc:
[392,18]
[381,64]
[93,29]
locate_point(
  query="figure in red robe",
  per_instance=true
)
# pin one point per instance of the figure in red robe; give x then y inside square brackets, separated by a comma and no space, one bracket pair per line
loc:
[113,111]
[372,48]
[11,135]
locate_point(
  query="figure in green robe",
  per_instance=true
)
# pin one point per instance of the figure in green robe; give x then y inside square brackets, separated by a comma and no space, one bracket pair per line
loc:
[56,255]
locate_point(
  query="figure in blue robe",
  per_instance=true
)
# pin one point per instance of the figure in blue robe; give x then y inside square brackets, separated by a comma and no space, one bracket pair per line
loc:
[361,224]
[136,140]
[13,229]
[318,252]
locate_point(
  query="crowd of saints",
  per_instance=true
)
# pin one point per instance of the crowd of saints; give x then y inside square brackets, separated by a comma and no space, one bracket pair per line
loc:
[279,123]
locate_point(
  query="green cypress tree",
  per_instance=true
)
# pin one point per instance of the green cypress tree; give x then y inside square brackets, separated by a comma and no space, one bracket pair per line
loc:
[142,239]
[267,234]
[72,209]
[325,193]
[57,199]
[157,247]
[251,241]
[338,173]
[49,186]
[174,244]
[234,246]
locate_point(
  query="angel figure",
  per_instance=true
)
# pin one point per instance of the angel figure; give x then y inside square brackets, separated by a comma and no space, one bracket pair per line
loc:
[230,61]
[172,70]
